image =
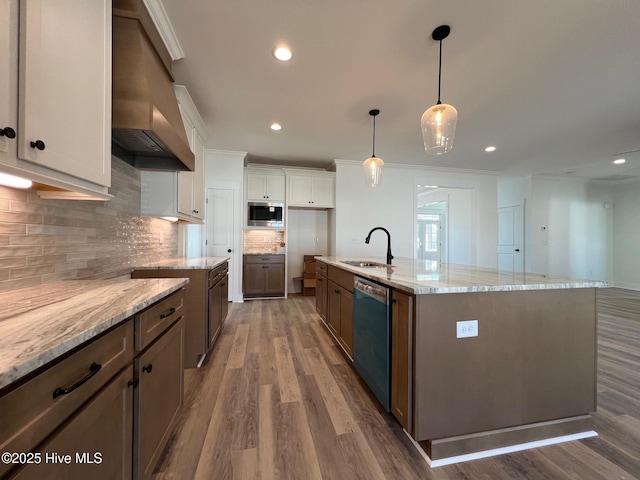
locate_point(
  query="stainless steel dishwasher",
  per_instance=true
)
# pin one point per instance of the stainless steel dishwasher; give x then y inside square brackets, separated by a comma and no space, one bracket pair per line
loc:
[372,337]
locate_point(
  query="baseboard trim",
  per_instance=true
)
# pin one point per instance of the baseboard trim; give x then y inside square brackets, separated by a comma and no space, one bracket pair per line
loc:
[499,451]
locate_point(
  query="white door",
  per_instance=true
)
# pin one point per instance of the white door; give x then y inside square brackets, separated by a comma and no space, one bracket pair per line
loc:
[219,227]
[511,239]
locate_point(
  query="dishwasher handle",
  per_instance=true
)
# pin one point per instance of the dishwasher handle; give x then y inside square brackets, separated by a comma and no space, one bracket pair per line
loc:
[371,289]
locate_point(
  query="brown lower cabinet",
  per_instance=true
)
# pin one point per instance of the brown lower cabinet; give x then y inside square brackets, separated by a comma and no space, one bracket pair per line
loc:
[263,276]
[401,357]
[334,298]
[109,405]
[322,286]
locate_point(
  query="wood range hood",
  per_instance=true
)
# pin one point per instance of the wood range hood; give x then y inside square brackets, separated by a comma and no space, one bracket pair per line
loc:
[146,124]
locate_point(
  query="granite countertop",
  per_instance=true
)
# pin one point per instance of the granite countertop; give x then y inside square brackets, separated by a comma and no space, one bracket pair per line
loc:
[39,324]
[420,277]
[183,263]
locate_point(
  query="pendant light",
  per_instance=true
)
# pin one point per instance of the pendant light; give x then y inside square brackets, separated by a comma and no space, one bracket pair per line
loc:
[439,121]
[373,165]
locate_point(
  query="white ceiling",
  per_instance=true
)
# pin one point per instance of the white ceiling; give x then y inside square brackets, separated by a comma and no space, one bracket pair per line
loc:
[553,84]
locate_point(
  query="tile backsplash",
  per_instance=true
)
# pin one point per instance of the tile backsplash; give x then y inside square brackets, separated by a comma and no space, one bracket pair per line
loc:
[43,241]
[263,241]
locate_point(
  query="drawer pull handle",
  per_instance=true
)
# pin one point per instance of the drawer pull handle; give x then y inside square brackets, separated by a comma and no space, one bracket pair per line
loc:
[93,369]
[168,313]
[148,368]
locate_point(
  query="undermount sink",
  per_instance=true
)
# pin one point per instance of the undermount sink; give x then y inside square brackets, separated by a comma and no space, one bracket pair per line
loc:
[365,264]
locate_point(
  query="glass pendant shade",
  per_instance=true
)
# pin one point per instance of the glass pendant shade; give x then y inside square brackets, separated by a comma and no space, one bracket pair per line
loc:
[372,171]
[438,128]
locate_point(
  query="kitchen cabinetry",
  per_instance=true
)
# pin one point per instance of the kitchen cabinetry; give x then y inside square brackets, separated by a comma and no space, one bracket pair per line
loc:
[321,290]
[311,191]
[263,276]
[263,187]
[401,357]
[55,123]
[112,401]
[339,314]
[179,194]
[205,308]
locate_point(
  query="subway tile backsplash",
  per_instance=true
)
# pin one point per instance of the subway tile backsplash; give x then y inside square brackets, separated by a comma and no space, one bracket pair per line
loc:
[43,241]
[263,241]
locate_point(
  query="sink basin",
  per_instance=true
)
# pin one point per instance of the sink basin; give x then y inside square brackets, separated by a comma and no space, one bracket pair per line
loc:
[364,264]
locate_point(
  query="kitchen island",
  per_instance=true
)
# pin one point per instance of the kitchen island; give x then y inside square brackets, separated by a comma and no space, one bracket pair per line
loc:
[525,373]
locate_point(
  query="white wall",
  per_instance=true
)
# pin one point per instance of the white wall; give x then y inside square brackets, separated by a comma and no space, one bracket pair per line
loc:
[306,235]
[392,205]
[626,235]
[568,229]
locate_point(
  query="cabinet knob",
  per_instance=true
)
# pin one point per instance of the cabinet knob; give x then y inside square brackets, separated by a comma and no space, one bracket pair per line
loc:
[39,144]
[132,383]
[7,132]
[148,368]
[337,291]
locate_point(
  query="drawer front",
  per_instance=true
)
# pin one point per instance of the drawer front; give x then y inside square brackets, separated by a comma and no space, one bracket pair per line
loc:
[268,259]
[341,277]
[321,268]
[30,413]
[150,323]
[218,274]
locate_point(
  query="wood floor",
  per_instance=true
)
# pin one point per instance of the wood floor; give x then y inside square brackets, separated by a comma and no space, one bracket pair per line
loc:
[277,400]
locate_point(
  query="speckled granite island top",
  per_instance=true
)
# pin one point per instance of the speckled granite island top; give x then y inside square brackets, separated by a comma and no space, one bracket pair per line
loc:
[184,263]
[423,277]
[39,324]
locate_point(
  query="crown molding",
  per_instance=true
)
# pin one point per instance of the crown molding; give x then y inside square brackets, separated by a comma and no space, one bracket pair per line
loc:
[165,29]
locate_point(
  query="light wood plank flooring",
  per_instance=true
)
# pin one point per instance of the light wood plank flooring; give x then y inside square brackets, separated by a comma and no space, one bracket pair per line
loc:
[277,400]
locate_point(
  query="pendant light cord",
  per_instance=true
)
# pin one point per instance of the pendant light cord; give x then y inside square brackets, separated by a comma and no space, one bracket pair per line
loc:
[373,149]
[439,73]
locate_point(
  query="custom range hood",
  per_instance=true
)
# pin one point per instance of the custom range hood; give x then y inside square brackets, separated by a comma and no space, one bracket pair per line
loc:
[146,125]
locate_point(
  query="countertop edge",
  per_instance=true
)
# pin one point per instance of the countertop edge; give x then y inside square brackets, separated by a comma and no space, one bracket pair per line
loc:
[196,263]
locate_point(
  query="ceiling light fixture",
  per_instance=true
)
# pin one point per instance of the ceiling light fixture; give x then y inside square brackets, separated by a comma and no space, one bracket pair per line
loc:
[439,122]
[619,161]
[490,149]
[373,165]
[282,53]
[14,182]
[276,126]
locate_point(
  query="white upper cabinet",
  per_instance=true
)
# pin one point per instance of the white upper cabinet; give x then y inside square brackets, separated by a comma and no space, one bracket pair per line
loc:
[316,190]
[61,53]
[263,187]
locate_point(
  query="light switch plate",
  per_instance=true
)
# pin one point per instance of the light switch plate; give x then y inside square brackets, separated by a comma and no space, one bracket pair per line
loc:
[467,328]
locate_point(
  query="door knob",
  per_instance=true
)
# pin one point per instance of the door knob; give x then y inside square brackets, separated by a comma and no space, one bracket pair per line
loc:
[7,132]
[517,249]
[39,144]
[228,250]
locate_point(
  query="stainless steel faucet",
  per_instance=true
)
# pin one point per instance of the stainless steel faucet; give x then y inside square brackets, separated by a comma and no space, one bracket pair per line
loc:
[389,256]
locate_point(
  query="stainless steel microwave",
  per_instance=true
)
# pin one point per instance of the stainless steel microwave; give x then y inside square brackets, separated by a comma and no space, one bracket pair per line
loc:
[266,214]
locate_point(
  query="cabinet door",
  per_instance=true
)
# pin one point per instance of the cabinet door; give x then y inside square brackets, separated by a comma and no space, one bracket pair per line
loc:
[198,176]
[333,310]
[98,438]
[346,321]
[158,398]
[275,188]
[215,320]
[274,279]
[321,296]
[299,191]
[401,357]
[254,278]
[65,87]
[8,75]
[256,187]
[224,298]
[323,192]
[185,179]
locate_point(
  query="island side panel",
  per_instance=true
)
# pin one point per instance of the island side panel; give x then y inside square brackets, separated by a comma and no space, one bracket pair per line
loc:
[533,360]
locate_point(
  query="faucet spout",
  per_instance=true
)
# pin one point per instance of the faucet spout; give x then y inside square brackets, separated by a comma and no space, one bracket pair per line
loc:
[366,240]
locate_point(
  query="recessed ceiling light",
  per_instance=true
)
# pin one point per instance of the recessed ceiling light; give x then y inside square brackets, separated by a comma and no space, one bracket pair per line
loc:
[276,126]
[619,161]
[490,149]
[282,53]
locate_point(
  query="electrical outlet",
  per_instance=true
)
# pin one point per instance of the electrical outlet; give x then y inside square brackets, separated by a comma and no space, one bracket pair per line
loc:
[467,328]
[356,240]
[161,237]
